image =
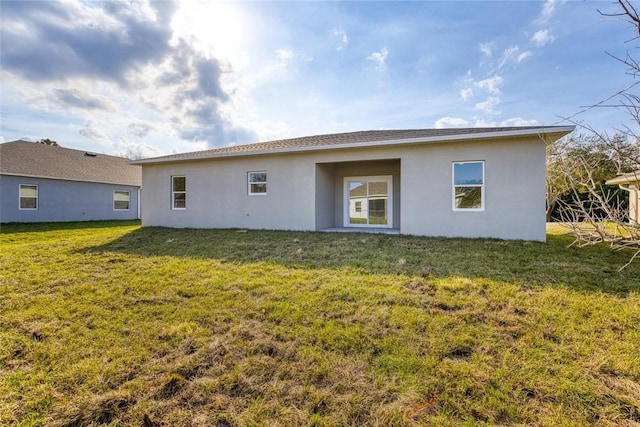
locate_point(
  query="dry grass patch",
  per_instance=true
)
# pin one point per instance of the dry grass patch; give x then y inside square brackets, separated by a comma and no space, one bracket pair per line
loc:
[111,324]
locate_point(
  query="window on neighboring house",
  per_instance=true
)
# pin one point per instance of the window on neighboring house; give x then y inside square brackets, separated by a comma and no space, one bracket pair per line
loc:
[257,182]
[121,200]
[28,196]
[468,186]
[358,206]
[178,192]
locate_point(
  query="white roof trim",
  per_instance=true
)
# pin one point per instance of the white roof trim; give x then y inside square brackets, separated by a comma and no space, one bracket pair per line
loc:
[426,140]
[627,178]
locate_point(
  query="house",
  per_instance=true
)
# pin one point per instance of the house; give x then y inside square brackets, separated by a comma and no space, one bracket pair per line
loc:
[45,183]
[475,182]
[630,182]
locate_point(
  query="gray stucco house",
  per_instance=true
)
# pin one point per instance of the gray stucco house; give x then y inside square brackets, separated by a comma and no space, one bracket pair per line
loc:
[474,182]
[44,183]
[630,182]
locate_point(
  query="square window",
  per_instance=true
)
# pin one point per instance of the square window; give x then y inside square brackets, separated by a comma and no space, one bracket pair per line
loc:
[257,182]
[28,197]
[468,186]
[121,200]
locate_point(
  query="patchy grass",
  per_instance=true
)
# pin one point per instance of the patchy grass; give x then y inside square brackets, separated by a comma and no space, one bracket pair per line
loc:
[110,323]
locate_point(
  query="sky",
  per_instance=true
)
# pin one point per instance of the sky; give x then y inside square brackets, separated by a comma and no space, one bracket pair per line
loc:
[148,78]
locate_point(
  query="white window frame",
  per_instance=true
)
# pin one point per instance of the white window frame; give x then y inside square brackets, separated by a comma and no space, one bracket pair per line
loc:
[20,197]
[174,192]
[454,186]
[380,178]
[249,183]
[128,193]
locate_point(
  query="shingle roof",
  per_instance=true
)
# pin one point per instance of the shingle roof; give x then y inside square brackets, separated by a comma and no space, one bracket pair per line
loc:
[23,158]
[361,138]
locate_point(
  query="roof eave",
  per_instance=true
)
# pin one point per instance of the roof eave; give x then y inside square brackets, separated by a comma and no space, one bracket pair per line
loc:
[625,179]
[70,179]
[546,133]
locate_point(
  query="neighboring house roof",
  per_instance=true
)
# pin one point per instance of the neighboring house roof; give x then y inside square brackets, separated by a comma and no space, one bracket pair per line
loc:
[366,139]
[376,189]
[627,178]
[23,158]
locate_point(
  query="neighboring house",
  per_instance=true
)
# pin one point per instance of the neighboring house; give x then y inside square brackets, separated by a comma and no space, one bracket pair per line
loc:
[630,182]
[45,183]
[481,182]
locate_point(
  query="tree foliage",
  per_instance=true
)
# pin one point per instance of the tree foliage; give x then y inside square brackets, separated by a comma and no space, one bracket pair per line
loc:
[48,141]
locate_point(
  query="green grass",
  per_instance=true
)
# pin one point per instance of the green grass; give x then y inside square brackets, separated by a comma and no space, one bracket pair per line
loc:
[113,324]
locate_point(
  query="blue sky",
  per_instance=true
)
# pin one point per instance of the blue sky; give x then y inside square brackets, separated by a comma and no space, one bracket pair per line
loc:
[144,78]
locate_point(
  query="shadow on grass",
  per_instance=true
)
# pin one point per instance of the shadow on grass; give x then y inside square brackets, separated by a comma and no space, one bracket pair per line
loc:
[526,263]
[31,227]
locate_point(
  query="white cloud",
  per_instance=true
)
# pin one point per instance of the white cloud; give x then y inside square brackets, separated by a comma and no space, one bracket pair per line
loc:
[466,94]
[342,38]
[135,150]
[451,122]
[284,55]
[524,56]
[513,55]
[482,123]
[542,37]
[379,58]
[548,9]
[488,106]
[491,85]
[486,48]
[96,132]
[519,121]
[478,122]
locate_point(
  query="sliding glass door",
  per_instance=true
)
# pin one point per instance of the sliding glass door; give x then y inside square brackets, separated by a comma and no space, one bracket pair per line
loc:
[368,201]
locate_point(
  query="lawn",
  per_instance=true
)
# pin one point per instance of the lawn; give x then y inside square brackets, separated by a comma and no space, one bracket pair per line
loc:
[113,324]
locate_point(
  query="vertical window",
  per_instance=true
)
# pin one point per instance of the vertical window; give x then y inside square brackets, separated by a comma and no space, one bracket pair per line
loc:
[28,196]
[257,182]
[121,200]
[358,207]
[178,192]
[468,186]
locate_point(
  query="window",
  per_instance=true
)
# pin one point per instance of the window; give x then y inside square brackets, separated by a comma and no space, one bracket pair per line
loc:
[121,200]
[178,192]
[257,183]
[28,196]
[468,186]
[368,201]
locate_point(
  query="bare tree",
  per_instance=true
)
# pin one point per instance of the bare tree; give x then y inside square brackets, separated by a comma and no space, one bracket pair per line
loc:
[577,171]
[576,189]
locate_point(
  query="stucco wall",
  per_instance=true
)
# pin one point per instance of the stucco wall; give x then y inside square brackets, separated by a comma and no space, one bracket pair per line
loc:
[63,201]
[325,196]
[514,185]
[366,168]
[217,194]
[302,196]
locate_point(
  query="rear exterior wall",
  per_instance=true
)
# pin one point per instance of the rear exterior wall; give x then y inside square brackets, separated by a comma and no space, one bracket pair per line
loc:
[304,190]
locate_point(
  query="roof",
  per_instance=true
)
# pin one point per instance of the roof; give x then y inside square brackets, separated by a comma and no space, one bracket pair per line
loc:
[627,178]
[369,138]
[23,158]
